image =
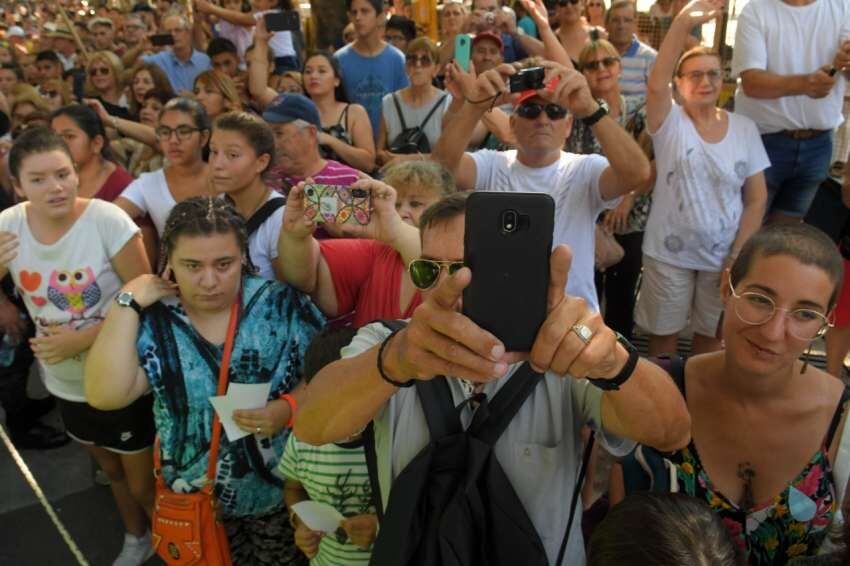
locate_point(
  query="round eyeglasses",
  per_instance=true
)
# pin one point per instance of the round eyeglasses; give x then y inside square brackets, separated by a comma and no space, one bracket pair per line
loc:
[755,308]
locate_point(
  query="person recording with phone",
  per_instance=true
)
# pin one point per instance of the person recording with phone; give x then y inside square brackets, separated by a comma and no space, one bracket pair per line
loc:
[582,185]
[182,63]
[541,446]
[365,272]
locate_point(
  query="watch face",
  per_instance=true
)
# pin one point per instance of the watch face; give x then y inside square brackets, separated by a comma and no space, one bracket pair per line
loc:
[124,299]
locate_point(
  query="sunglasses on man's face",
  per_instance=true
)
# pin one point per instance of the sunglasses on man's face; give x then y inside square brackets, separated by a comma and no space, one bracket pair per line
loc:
[531,110]
[425,272]
[597,65]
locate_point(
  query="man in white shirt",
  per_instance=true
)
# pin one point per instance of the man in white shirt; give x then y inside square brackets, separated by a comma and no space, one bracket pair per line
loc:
[582,185]
[793,58]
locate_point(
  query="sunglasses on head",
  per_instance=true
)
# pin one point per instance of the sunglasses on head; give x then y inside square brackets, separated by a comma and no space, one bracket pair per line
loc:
[597,65]
[425,272]
[531,110]
[95,71]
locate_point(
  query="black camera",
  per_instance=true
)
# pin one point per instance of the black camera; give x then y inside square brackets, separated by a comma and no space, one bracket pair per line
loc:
[528,79]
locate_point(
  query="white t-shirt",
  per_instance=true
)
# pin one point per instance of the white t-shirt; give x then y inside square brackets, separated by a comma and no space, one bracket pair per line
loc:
[262,244]
[573,182]
[281,41]
[70,283]
[697,202]
[791,40]
[150,193]
[540,450]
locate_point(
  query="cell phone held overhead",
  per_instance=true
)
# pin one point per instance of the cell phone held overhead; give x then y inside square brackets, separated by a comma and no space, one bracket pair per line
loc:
[287,20]
[336,204]
[507,244]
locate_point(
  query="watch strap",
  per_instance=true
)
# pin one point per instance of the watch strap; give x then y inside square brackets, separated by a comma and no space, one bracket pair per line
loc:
[132,303]
[625,373]
[591,120]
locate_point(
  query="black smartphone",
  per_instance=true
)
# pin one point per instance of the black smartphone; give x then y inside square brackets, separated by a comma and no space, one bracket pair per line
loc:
[507,244]
[78,84]
[287,20]
[162,39]
[527,79]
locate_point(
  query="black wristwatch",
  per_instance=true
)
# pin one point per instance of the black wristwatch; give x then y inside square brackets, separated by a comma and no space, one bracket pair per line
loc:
[125,299]
[600,113]
[615,382]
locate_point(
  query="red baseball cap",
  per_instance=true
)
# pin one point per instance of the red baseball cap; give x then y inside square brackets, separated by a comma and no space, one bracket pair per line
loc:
[492,36]
[528,94]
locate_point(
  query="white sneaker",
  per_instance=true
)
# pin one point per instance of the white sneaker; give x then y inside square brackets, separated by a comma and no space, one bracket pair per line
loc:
[136,550]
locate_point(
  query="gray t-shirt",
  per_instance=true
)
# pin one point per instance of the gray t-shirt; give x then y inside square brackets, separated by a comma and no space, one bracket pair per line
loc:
[414,116]
[540,451]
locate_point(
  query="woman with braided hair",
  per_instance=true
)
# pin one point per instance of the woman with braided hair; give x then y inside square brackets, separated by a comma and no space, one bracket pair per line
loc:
[170,339]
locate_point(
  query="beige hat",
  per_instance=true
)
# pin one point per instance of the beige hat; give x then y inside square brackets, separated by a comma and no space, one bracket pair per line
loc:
[61,32]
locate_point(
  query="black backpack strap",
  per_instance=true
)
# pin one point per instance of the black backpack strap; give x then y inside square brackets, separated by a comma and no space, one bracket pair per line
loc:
[398,111]
[431,112]
[372,466]
[585,461]
[439,408]
[263,213]
[493,417]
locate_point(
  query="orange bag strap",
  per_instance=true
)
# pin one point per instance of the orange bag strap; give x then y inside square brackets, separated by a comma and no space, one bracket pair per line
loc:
[223,372]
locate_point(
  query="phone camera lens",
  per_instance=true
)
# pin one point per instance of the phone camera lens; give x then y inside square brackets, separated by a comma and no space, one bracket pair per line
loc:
[509,221]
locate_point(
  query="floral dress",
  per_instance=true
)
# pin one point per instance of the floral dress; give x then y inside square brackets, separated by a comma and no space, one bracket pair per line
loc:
[793,523]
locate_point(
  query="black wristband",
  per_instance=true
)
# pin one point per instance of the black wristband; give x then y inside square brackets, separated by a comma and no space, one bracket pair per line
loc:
[381,371]
[591,120]
[624,374]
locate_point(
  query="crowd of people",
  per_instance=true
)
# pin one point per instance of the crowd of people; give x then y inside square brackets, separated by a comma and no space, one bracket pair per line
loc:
[167,231]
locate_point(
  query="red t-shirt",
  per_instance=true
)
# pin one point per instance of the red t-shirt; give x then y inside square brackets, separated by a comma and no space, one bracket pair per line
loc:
[115,184]
[367,277]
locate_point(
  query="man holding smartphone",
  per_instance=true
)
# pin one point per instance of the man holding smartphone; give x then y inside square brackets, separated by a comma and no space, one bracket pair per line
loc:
[582,185]
[541,447]
[793,57]
[182,63]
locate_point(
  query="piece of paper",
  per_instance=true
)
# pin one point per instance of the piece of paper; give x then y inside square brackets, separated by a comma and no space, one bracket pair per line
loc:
[239,396]
[319,517]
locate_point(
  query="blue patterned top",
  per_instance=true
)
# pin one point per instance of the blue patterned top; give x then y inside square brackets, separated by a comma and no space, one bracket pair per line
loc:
[277,324]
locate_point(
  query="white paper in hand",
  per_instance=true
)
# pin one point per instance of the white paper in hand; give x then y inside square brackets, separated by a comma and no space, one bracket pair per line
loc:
[239,396]
[319,517]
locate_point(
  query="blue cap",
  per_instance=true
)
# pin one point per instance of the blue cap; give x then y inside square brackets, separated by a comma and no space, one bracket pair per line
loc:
[290,107]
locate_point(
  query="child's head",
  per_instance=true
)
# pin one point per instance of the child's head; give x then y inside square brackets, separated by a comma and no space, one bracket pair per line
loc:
[42,171]
[325,348]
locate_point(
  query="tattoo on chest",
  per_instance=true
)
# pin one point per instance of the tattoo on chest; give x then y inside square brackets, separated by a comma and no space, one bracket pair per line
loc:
[747,474]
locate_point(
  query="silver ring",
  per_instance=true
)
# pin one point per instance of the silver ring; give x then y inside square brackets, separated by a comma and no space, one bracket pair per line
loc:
[258,430]
[584,333]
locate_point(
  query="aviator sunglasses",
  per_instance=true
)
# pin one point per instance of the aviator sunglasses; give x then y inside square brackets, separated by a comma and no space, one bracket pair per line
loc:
[425,272]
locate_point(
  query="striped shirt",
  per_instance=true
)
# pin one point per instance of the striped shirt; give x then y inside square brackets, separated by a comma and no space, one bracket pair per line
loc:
[334,173]
[336,475]
[636,64]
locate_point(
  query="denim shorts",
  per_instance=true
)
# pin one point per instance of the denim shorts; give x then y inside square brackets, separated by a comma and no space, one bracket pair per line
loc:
[797,168]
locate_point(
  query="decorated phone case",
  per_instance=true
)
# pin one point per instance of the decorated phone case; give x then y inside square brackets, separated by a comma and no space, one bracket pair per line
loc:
[338,205]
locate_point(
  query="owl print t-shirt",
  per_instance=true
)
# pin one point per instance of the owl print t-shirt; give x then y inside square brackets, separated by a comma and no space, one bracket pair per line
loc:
[697,201]
[71,283]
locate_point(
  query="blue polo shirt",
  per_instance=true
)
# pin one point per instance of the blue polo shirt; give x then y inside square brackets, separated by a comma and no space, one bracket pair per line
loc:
[636,64]
[181,75]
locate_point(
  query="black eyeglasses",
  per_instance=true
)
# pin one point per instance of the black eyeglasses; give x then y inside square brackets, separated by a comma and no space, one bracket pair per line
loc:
[597,65]
[183,132]
[418,60]
[563,3]
[95,71]
[531,110]
[425,272]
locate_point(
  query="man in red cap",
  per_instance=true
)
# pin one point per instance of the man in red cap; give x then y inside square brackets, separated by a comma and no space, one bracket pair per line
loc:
[582,185]
[486,52]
